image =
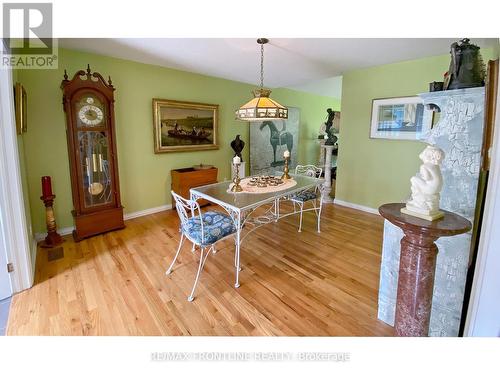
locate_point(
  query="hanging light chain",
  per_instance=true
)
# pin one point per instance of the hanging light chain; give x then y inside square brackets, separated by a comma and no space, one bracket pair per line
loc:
[262,66]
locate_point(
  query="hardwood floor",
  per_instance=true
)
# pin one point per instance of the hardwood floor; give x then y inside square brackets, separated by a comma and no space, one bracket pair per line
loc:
[292,284]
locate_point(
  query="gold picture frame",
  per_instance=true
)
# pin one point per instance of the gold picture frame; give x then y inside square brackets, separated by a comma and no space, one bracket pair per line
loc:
[20,105]
[184,126]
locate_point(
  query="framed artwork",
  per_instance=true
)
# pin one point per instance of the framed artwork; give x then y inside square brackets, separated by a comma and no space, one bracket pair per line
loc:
[184,126]
[20,102]
[269,139]
[400,118]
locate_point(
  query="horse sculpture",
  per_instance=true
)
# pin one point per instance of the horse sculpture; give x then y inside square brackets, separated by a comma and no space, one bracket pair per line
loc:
[278,138]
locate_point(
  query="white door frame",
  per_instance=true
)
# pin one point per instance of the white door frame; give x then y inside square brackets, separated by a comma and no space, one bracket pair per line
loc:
[5,284]
[483,315]
[13,224]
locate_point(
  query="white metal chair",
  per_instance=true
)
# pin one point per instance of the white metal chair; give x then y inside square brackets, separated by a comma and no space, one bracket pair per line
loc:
[202,229]
[310,195]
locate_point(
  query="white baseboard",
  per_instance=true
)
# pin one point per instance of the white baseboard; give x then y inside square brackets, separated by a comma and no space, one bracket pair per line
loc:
[147,211]
[131,215]
[356,206]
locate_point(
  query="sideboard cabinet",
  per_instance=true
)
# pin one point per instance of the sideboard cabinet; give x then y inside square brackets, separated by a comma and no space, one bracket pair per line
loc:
[186,178]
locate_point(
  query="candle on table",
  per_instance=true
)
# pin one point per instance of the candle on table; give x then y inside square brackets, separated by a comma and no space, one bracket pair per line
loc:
[46,186]
[236,160]
[286,154]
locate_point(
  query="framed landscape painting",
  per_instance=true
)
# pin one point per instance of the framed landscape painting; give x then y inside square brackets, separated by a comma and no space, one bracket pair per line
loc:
[400,118]
[184,126]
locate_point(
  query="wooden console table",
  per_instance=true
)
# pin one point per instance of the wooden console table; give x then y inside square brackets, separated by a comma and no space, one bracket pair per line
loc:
[186,178]
[417,265]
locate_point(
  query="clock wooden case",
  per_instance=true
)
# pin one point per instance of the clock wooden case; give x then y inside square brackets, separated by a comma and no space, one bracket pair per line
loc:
[88,102]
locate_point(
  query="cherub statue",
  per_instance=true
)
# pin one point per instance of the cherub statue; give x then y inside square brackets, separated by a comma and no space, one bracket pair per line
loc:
[426,185]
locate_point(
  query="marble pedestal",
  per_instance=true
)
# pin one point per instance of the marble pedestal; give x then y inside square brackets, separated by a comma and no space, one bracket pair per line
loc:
[417,265]
[327,186]
[321,159]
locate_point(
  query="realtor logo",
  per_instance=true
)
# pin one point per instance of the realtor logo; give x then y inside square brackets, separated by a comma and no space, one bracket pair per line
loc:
[27,36]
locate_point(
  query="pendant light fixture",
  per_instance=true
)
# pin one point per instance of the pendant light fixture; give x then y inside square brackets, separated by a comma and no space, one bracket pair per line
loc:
[262,107]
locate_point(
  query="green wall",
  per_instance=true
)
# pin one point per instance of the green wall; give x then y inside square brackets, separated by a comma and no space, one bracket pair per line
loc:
[312,115]
[144,175]
[376,171]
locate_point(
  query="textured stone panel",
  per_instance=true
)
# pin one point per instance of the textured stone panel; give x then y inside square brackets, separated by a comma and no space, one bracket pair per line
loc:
[459,133]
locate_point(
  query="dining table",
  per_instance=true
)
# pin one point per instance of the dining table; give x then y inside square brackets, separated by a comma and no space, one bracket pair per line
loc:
[242,206]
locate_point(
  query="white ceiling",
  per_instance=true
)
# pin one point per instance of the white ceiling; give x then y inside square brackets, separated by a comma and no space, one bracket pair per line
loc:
[327,87]
[302,64]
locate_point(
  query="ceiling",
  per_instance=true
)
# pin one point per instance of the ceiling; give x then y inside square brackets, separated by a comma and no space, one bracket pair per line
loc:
[304,64]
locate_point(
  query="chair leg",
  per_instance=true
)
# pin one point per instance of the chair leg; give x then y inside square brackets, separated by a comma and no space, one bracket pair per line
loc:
[238,267]
[301,205]
[276,210]
[319,215]
[176,254]
[203,258]
[317,211]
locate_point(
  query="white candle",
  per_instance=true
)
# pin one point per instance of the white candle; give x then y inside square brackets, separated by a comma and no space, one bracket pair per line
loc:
[236,160]
[286,154]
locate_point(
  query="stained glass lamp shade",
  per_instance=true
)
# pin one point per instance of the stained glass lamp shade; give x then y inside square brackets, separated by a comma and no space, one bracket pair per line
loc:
[262,107]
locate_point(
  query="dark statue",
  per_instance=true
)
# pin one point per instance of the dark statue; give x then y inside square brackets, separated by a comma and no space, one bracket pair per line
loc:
[237,145]
[466,66]
[332,139]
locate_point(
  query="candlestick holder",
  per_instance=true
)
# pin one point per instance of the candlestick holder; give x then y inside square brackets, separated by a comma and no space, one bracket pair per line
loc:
[53,238]
[236,180]
[286,176]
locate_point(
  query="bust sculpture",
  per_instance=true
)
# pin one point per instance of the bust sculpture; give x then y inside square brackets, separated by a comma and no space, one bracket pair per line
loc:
[426,186]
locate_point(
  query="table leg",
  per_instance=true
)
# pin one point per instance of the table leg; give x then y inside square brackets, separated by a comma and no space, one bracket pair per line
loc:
[417,267]
[237,249]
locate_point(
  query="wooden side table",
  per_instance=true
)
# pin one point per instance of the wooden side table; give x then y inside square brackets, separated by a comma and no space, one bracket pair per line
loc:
[417,265]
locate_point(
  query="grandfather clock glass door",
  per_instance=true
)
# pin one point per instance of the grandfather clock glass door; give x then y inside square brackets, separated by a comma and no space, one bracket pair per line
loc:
[94,153]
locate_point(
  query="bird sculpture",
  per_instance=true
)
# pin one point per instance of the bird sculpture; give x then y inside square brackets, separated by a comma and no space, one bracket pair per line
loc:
[237,145]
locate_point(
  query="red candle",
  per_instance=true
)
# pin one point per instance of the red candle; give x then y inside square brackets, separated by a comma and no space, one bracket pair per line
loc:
[46,186]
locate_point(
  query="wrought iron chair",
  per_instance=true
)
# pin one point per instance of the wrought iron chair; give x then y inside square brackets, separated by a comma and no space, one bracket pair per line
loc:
[310,195]
[202,229]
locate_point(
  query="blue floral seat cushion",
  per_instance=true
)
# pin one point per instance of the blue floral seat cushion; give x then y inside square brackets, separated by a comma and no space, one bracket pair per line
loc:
[216,225]
[304,196]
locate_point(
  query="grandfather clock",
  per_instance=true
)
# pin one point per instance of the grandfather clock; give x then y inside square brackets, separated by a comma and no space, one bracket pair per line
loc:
[88,101]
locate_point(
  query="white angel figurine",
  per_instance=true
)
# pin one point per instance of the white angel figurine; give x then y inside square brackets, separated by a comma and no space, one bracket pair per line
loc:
[426,186]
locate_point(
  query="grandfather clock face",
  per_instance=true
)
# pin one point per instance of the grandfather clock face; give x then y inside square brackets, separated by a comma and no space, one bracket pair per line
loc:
[93,150]
[90,111]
